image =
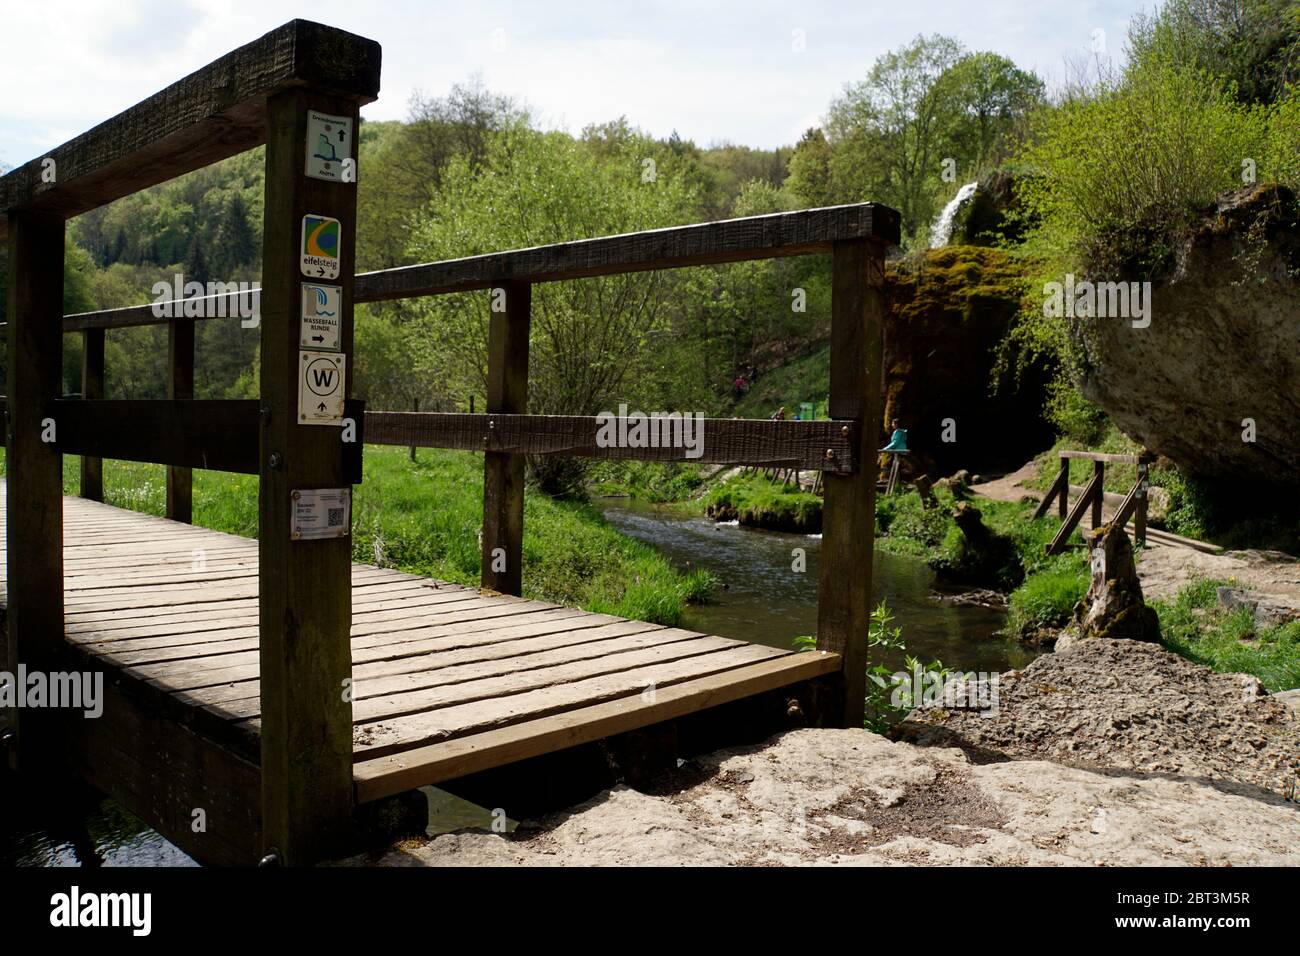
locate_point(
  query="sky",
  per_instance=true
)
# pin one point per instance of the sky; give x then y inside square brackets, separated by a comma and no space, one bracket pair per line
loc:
[756,73]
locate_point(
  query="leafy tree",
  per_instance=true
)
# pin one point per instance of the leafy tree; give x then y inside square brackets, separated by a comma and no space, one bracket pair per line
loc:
[810,170]
[590,338]
[992,96]
[888,131]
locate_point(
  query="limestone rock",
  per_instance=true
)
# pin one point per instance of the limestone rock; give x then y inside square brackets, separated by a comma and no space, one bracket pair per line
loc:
[1223,346]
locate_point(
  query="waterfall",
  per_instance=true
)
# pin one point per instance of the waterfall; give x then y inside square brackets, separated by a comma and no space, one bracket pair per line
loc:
[941,231]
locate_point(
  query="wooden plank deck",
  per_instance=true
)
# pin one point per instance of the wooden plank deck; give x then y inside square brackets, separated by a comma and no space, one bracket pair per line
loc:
[447,680]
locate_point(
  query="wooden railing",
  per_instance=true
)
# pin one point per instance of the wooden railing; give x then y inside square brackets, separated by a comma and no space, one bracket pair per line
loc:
[263,93]
[1092,496]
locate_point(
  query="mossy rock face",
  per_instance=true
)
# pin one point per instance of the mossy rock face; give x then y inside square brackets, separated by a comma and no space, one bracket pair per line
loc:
[991,215]
[948,314]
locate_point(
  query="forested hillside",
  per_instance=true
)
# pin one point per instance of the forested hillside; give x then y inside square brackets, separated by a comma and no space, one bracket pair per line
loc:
[1115,160]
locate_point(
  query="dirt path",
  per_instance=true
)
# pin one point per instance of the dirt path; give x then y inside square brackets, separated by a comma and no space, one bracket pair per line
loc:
[1163,570]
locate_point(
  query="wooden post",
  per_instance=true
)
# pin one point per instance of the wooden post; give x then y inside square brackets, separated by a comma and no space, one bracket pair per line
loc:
[92,389]
[34,468]
[503,474]
[1140,514]
[1099,496]
[180,385]
[1063,504]
[304,585]
[848,525]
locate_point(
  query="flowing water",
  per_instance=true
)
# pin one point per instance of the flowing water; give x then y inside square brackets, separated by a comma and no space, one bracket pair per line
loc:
[764,601]
[941,231]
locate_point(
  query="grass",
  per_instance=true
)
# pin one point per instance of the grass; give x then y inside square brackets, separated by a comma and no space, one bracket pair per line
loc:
[425,518]
[1227,639]
[803,379]
[648,480]
[761,502]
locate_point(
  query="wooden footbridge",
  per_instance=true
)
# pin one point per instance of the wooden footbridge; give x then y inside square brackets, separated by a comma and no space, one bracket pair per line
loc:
[259,693]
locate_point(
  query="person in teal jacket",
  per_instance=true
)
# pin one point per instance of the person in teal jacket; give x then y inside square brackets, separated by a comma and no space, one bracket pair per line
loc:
[897,441]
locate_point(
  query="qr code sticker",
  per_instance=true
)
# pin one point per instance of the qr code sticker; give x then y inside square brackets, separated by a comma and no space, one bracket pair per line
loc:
[334,517]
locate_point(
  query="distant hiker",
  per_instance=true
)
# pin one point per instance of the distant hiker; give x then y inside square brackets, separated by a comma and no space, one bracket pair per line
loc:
[779,414]
[897,441]
[739,386]
[898,448]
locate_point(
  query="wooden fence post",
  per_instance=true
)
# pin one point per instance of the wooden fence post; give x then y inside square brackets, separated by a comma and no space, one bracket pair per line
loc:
[180,385]
[34,468]
[1063,503]
[92,389]
[304,585]
[503,474]
[848,525]
[1099,472]
[1140,513]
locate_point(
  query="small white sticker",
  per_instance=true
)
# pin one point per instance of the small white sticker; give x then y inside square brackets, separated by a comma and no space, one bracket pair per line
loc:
[321,381]
[321,513]
[329,145]
[320,316]
[322,238]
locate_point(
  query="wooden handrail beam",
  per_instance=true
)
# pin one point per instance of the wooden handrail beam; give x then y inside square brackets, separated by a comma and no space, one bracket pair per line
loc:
[1100,456]
[731,240]
[730,441]
[1091,490]
[218,435]
[213,113]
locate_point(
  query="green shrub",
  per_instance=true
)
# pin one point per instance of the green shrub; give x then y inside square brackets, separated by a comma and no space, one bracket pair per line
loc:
[1047,598]
[1227,639]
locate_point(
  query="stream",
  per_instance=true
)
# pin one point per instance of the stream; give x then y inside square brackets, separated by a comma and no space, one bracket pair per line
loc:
[764,601]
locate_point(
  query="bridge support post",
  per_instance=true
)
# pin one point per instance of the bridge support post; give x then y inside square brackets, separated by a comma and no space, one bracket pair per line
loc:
[304,591]
[503,474]
[180,385]
[92,389]
[34,469]
[849,513]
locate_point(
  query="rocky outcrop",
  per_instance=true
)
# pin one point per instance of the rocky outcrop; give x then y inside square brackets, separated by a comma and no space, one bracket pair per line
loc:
[1131,706]
[1220,361]
[1114,608]
[993,214]
[948,314]
[850,797]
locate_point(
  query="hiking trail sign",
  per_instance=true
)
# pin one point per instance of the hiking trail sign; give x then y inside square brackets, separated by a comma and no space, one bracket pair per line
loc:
[321,377]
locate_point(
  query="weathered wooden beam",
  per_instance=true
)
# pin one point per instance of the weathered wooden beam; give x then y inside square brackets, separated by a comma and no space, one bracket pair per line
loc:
[224,305]
[217,434]
[304,585]
[728,441]
[180,387]
[1099,476]
[200,795]
[710,243]
[1099,456]
[34,469]
[1092,490]
[849,510]
[92,390]
[1060,486]
[215,112]
[503,472]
